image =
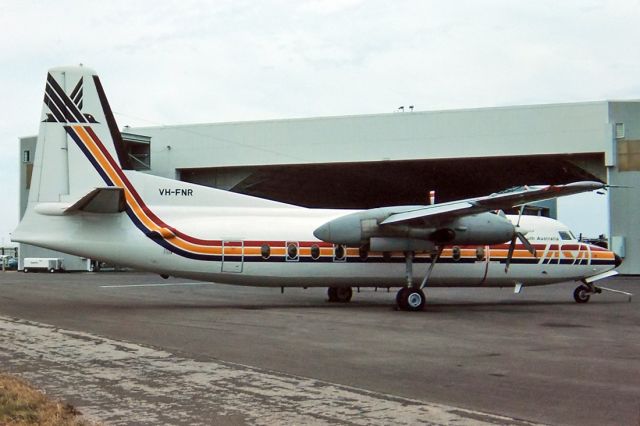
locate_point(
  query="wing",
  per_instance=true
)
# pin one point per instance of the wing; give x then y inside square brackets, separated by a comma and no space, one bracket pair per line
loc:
[467,221]
[500,200]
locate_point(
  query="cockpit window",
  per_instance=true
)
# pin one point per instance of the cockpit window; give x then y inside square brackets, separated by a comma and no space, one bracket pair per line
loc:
[564,235]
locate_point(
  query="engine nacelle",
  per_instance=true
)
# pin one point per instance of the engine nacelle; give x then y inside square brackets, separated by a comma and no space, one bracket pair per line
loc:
[483,228]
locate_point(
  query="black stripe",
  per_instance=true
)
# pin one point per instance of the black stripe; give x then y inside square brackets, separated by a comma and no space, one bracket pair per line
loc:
[54,110]
[72,107]
[89,155]
[123,158]
[60,105]
[76,89]
[602,262]
[78,99]
[164,243]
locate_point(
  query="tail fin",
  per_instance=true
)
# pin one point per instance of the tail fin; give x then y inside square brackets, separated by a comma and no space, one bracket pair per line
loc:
[76,124]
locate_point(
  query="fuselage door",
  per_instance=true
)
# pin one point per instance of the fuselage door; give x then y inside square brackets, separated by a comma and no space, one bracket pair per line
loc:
[232,256]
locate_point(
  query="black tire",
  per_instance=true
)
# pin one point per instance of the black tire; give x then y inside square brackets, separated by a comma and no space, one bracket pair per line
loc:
[582,294]
[410,299]
[332,292]
[344,294]
[340,294]
[401,298]
[52,270]
[25,270]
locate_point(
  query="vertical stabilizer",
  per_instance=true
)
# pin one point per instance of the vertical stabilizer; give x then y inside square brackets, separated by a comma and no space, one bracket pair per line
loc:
[75,111]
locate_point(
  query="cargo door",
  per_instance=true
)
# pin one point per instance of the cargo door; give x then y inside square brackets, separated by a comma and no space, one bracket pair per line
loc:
[232,256]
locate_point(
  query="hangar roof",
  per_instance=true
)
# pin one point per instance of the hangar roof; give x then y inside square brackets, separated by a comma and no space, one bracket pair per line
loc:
[573,128]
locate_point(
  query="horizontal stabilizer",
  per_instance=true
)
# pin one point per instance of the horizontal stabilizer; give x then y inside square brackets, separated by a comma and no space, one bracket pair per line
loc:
[100,200]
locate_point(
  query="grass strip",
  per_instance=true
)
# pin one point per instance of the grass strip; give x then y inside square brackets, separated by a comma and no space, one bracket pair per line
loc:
[22,404]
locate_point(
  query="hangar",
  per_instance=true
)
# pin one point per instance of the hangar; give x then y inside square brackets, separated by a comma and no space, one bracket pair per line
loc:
[365,161]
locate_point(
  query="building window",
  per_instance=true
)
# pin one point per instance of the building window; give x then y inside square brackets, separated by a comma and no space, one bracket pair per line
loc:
[628,156]
[27,180]
[619,130]
[26,156]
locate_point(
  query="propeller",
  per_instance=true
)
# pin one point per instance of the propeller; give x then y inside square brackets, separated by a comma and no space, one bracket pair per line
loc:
[518,235]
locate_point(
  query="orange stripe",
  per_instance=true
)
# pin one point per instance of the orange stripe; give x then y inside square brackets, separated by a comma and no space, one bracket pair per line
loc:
[131,201]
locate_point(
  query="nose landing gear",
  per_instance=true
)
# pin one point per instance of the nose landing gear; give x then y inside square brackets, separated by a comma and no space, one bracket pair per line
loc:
[583,292]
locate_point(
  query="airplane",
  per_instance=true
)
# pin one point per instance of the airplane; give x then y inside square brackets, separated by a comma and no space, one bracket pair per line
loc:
[86,200]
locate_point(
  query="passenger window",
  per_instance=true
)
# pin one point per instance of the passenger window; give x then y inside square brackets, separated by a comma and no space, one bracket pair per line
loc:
[363,252]
[456,253]
[339,253]
[480,253]
[292,251]
[265,251]
[315,252]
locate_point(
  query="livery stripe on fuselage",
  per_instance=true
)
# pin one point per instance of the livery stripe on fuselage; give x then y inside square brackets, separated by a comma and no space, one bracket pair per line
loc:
[137,210]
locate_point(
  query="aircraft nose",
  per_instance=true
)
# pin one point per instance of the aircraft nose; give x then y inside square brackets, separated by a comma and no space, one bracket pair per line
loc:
[618,260]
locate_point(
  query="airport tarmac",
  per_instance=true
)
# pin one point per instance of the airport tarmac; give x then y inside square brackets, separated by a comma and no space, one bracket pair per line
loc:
[134,348]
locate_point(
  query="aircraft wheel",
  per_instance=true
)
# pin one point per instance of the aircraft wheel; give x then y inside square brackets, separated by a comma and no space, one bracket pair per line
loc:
[340,294]
[410,299]
[332,293]
[344,294]
[581,294]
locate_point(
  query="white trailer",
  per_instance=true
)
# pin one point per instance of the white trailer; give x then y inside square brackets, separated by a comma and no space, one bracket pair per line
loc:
[50,264]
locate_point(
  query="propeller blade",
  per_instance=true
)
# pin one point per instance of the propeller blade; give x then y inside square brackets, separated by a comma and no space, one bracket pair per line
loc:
[527,244]
[512,247]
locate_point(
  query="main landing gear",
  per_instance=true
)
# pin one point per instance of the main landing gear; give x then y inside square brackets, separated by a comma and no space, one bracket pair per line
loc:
[411,297]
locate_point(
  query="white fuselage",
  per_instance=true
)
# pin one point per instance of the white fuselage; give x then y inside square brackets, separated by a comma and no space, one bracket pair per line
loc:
[237,237]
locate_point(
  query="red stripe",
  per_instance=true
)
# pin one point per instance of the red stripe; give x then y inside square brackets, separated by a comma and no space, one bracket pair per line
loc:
[155,219]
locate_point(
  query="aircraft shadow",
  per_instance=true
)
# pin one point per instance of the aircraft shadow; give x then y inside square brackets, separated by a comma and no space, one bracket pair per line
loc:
[506,306]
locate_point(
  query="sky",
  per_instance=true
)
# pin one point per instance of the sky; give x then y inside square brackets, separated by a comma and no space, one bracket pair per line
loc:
[187,61]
